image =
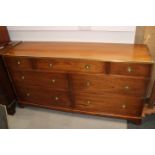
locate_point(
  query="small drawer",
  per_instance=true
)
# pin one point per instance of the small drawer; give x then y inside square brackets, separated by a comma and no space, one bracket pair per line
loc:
[108,103]
[43,96]
[132,69]
[67,65]
[99,83]
[54,81]
[18,63]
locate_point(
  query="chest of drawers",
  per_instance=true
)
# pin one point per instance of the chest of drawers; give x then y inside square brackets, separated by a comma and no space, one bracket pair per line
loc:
[89,78]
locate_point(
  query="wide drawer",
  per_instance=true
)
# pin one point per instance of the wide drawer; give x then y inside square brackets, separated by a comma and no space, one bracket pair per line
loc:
[43,96]
[105,83]
[68,65]
[130,69]
[55,65]
[55,81]
[108,103]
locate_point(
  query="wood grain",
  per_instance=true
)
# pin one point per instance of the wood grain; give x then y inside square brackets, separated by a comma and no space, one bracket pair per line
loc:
[131,69]
[109,103]
[43,97]
[55,81]
[90,78]
[99,83]
[87,51]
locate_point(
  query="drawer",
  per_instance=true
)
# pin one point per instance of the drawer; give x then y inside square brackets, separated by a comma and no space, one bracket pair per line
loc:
[55,81]
[108,103]
[19,63]
[106,83]
[67,65]
[132,69]
[43,96]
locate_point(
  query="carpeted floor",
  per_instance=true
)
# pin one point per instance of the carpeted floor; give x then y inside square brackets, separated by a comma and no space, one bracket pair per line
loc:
[36,118]
[3,118]
[147,123]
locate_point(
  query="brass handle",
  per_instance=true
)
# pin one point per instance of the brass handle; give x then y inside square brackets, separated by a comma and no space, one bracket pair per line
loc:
[88,83]
[23,77]
[124,106]
[56,98]
[53,80]
[130,69]
[88,102]
[28,94]
[126,87]
[87,67]
[18,62]
[50,65]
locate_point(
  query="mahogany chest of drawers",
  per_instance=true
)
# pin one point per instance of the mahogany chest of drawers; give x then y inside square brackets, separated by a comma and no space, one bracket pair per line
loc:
[90,78]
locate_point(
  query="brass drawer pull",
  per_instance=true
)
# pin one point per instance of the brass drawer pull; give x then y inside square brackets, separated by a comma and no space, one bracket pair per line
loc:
[28,94]
[123,106]
[130,69]
[23,77]
[56,98]
[50,65]
[87,83]
[18,62]
[88,102]
[126,87]
[87,67]
[53,80]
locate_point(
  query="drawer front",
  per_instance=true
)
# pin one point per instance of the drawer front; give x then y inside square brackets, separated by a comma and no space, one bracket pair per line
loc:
[142,70]
[67,65]
[108,103]
[54,81]
[103,83]
[19,63]
[43,96]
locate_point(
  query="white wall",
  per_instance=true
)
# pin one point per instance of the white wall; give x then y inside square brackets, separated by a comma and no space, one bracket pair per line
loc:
[115,34]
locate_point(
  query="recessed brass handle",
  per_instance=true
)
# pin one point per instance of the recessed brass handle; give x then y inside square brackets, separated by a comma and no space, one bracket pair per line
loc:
[23,77]
[129,69]
[123,106]
[28,94]
[18,62]
[53,80]
[126,87]
[88,102]
[87,83]
[87,67]
[56,98]
[50,65]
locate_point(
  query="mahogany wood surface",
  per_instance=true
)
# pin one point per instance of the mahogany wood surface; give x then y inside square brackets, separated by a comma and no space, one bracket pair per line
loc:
[99,83]
[43,96]
[109,103]
[131,69]
[56,65]
[90,78]
[55,81]
[88,51]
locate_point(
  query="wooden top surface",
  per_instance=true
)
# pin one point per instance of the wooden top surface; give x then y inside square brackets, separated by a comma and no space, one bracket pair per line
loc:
[90,51]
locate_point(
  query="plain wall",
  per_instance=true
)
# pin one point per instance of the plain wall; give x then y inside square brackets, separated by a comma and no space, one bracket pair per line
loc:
[108,34]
